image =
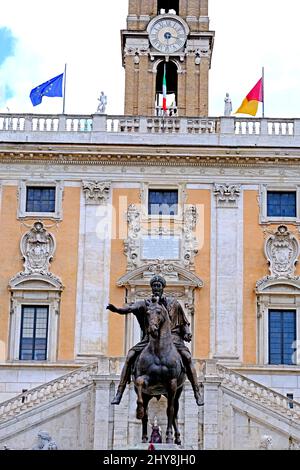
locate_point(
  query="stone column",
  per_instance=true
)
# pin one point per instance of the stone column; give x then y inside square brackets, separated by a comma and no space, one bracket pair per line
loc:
[227,272]
[94,269]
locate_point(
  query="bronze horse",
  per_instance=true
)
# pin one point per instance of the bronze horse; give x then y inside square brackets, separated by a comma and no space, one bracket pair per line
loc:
[159,371]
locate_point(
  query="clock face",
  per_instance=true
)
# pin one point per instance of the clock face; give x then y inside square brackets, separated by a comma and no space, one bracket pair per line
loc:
[167,35]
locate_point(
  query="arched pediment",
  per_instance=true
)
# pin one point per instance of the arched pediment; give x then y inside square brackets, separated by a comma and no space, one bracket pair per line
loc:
[271,285]
[174,275]
[32,282]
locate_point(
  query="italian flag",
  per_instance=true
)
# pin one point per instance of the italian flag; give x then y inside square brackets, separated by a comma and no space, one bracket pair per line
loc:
[165,90]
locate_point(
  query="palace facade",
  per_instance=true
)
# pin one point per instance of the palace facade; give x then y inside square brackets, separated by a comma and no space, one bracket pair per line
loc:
[91,207]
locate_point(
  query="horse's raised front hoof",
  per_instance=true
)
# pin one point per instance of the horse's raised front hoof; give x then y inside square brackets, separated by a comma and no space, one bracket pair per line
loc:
[140,412]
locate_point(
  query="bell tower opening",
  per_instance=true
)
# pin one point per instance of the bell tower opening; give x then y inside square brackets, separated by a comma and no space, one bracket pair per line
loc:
[172,88]
[167,6]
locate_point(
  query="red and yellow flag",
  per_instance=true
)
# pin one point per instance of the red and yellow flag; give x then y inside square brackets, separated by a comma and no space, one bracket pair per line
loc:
[250,103]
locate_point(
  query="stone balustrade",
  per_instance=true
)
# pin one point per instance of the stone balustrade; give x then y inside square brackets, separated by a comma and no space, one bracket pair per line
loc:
[43,123]
[49,391]
[259,393]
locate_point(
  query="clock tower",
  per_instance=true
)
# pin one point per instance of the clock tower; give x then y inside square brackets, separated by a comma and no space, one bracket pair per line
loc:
[168,38]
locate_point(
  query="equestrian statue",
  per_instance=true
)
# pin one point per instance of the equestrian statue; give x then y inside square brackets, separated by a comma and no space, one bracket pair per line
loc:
[160,362]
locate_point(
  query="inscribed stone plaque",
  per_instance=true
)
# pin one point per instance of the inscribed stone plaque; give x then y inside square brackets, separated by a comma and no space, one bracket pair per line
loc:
[160,248]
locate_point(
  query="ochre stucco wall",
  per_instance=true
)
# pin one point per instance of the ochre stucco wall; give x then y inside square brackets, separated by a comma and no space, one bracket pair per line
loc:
[202,199]
[255,268]
[64,265]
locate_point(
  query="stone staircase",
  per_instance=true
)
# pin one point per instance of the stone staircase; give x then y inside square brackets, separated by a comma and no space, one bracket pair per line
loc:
[57,388]
[240,413]
[261,395]
[75,409]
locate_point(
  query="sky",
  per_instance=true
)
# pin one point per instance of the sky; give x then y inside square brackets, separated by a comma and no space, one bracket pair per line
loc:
[37,39]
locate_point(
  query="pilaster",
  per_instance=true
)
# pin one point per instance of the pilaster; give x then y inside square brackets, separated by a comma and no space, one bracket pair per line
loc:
[227,272]
[94,268]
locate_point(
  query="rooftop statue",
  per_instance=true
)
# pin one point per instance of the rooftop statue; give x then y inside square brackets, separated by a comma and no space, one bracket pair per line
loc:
[102,103]
[228,105]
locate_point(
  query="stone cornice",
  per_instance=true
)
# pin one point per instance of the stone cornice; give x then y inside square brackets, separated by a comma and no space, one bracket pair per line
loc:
[132,156]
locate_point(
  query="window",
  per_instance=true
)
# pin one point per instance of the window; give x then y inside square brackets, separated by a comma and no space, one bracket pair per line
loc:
[282,334]
[163,202]
[164,6]
[281,204]
[34,333]
[40,199]
[278,203]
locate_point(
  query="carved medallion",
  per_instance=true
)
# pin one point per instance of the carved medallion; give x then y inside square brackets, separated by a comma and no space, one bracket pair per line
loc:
[37,247]
[282,251]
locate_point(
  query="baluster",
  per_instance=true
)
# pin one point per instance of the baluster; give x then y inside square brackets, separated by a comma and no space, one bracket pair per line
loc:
[273,128]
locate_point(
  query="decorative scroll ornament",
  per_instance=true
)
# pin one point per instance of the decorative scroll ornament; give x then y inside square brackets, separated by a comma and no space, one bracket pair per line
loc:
[227,193]
[132,244]
[282,251]
[96,192]
[190,245]
[37,248]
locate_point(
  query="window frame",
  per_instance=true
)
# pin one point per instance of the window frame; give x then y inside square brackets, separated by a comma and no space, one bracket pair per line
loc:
[22,196]
[27,297]
[282,311]
[35,307]
[264,190]
[146,187]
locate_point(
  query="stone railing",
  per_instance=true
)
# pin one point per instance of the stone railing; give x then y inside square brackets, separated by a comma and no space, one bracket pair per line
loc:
[31,123]
[47,392]
[259,393]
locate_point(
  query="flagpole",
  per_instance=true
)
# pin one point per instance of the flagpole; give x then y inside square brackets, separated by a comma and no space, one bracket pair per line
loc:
[263,92]
[65,80]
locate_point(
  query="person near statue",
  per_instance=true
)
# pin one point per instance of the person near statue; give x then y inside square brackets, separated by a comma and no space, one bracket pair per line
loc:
[180,328]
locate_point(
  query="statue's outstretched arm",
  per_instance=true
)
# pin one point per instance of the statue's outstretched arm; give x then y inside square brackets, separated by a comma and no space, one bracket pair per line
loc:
[123,310]
[120,311]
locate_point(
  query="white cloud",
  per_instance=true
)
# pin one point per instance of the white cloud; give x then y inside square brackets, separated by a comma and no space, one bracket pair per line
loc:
[86,35]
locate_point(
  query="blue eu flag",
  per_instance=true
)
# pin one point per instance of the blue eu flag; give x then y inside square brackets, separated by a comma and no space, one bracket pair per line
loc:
[52,87]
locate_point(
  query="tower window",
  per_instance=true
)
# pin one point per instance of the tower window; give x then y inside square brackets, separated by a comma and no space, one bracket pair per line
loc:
[172,88]
[168,6]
